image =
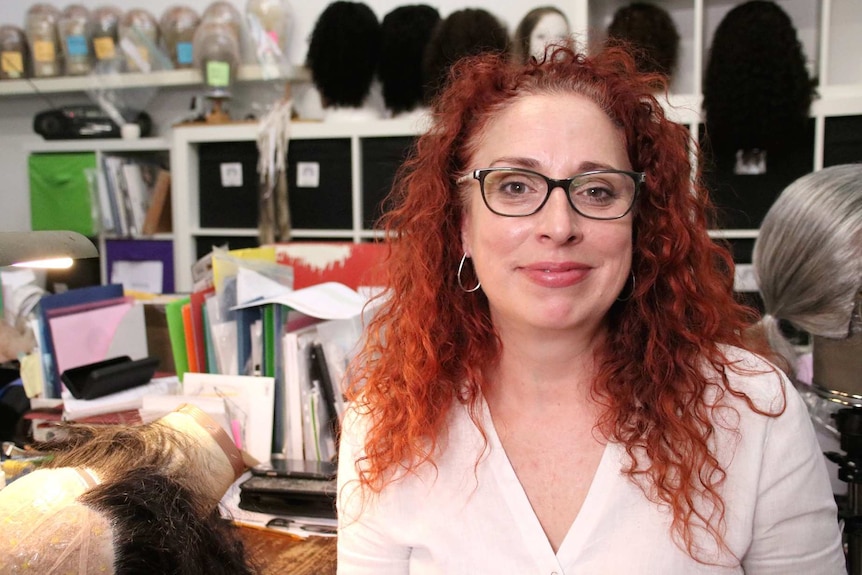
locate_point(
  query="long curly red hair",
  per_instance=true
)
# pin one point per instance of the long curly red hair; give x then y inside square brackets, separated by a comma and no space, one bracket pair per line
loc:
[427,346]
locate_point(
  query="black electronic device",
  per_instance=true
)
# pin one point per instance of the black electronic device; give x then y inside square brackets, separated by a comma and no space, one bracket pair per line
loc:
[112,375]
[289,496]
[82,122]
[298,468]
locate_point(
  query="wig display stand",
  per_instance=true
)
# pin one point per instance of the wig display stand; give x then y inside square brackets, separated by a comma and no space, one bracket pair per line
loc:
[217,113]
[849,423]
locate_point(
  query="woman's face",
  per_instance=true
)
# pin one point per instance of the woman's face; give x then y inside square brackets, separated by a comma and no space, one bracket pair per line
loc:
[550,29]
[554,269]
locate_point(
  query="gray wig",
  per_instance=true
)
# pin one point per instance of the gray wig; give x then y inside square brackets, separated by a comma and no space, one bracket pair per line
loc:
[808,255]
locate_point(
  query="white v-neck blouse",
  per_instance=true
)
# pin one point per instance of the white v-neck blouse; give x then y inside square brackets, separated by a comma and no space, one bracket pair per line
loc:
[473,518]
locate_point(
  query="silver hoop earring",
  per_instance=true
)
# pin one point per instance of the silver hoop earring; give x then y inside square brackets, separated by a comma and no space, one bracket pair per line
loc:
[460,284]
[631,291]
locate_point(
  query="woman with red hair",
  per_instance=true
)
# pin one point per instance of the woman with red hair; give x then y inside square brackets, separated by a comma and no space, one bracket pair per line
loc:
[558,380]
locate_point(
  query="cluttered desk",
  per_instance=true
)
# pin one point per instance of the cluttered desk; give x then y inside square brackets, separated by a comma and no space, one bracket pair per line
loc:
[259,367]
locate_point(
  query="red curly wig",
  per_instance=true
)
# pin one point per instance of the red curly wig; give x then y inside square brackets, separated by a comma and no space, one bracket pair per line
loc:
[426,348]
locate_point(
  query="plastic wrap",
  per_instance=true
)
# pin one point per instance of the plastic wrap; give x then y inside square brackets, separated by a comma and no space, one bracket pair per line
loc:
[47,531]
[269,26]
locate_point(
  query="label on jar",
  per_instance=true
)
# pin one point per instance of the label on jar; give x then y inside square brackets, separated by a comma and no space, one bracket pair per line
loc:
[76,45]
[12,63]
[218,74]
[43,51]
[184,53]
[104,48]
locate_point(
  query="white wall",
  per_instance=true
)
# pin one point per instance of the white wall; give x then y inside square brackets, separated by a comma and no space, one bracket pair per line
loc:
[16,112]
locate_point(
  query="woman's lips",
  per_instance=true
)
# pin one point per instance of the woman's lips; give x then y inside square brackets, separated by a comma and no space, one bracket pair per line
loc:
[556,275]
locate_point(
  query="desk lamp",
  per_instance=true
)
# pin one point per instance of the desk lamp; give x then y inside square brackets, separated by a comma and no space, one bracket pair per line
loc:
[44,249]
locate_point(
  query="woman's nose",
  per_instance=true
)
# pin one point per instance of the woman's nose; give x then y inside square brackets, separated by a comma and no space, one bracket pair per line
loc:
[559,220]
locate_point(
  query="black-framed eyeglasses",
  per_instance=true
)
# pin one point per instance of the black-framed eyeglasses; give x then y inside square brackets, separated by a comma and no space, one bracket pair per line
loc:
[597,194]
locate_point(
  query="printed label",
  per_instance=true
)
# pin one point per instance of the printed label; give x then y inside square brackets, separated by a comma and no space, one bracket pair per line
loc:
[12,63]
[218,74]
[76,45]
[184,53]
[104,48]
[43,51]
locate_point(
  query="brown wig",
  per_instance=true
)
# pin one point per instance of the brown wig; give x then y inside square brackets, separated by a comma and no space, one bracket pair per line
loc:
[462,33]
[651,35]
[427,346]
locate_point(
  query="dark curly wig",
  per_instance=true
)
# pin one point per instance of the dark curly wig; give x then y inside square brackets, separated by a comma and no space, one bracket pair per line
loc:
[405,32]
[756,91]
[467,32]
[651,35]
[343,53]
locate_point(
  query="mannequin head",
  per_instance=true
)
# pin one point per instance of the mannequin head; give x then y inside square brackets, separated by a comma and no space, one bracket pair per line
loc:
[808,258]
[126,499]
[343,53]
[650,33]
[466,32]
[405,32]
[539,28]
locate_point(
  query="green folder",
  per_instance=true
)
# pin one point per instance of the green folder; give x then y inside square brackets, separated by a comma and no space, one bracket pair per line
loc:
[60,196]
[177,333]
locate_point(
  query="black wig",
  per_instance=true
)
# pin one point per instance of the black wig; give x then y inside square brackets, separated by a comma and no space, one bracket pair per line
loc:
[343,53]
[405,32]
[756,91]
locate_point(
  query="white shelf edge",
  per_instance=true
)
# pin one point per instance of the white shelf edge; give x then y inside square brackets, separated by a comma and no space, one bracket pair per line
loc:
[296,232]
[305,130]
[166,78]
[38,145]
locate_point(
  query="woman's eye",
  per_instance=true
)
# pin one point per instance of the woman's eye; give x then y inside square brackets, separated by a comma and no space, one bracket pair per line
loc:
[514,188]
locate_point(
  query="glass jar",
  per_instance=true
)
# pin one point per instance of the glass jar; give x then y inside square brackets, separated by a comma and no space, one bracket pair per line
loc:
[41,31]
[139,36]
[177,26]
[14,53]
[73,29]
[104,25]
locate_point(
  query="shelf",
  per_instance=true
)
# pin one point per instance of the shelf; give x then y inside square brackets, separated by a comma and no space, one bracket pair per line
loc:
[164,78]
[38,145]
[305,130]
[296,233]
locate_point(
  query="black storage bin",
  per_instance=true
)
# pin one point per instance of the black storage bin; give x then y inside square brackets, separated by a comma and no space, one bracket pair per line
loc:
[381,158]
[205,244]
[743,200]
[228,206]
[329,204]
[842,141]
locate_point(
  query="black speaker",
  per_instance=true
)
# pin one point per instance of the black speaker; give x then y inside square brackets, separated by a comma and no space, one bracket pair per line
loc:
[82,122]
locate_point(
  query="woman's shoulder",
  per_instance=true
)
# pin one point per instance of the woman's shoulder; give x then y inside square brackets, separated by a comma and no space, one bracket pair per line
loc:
[754,377]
